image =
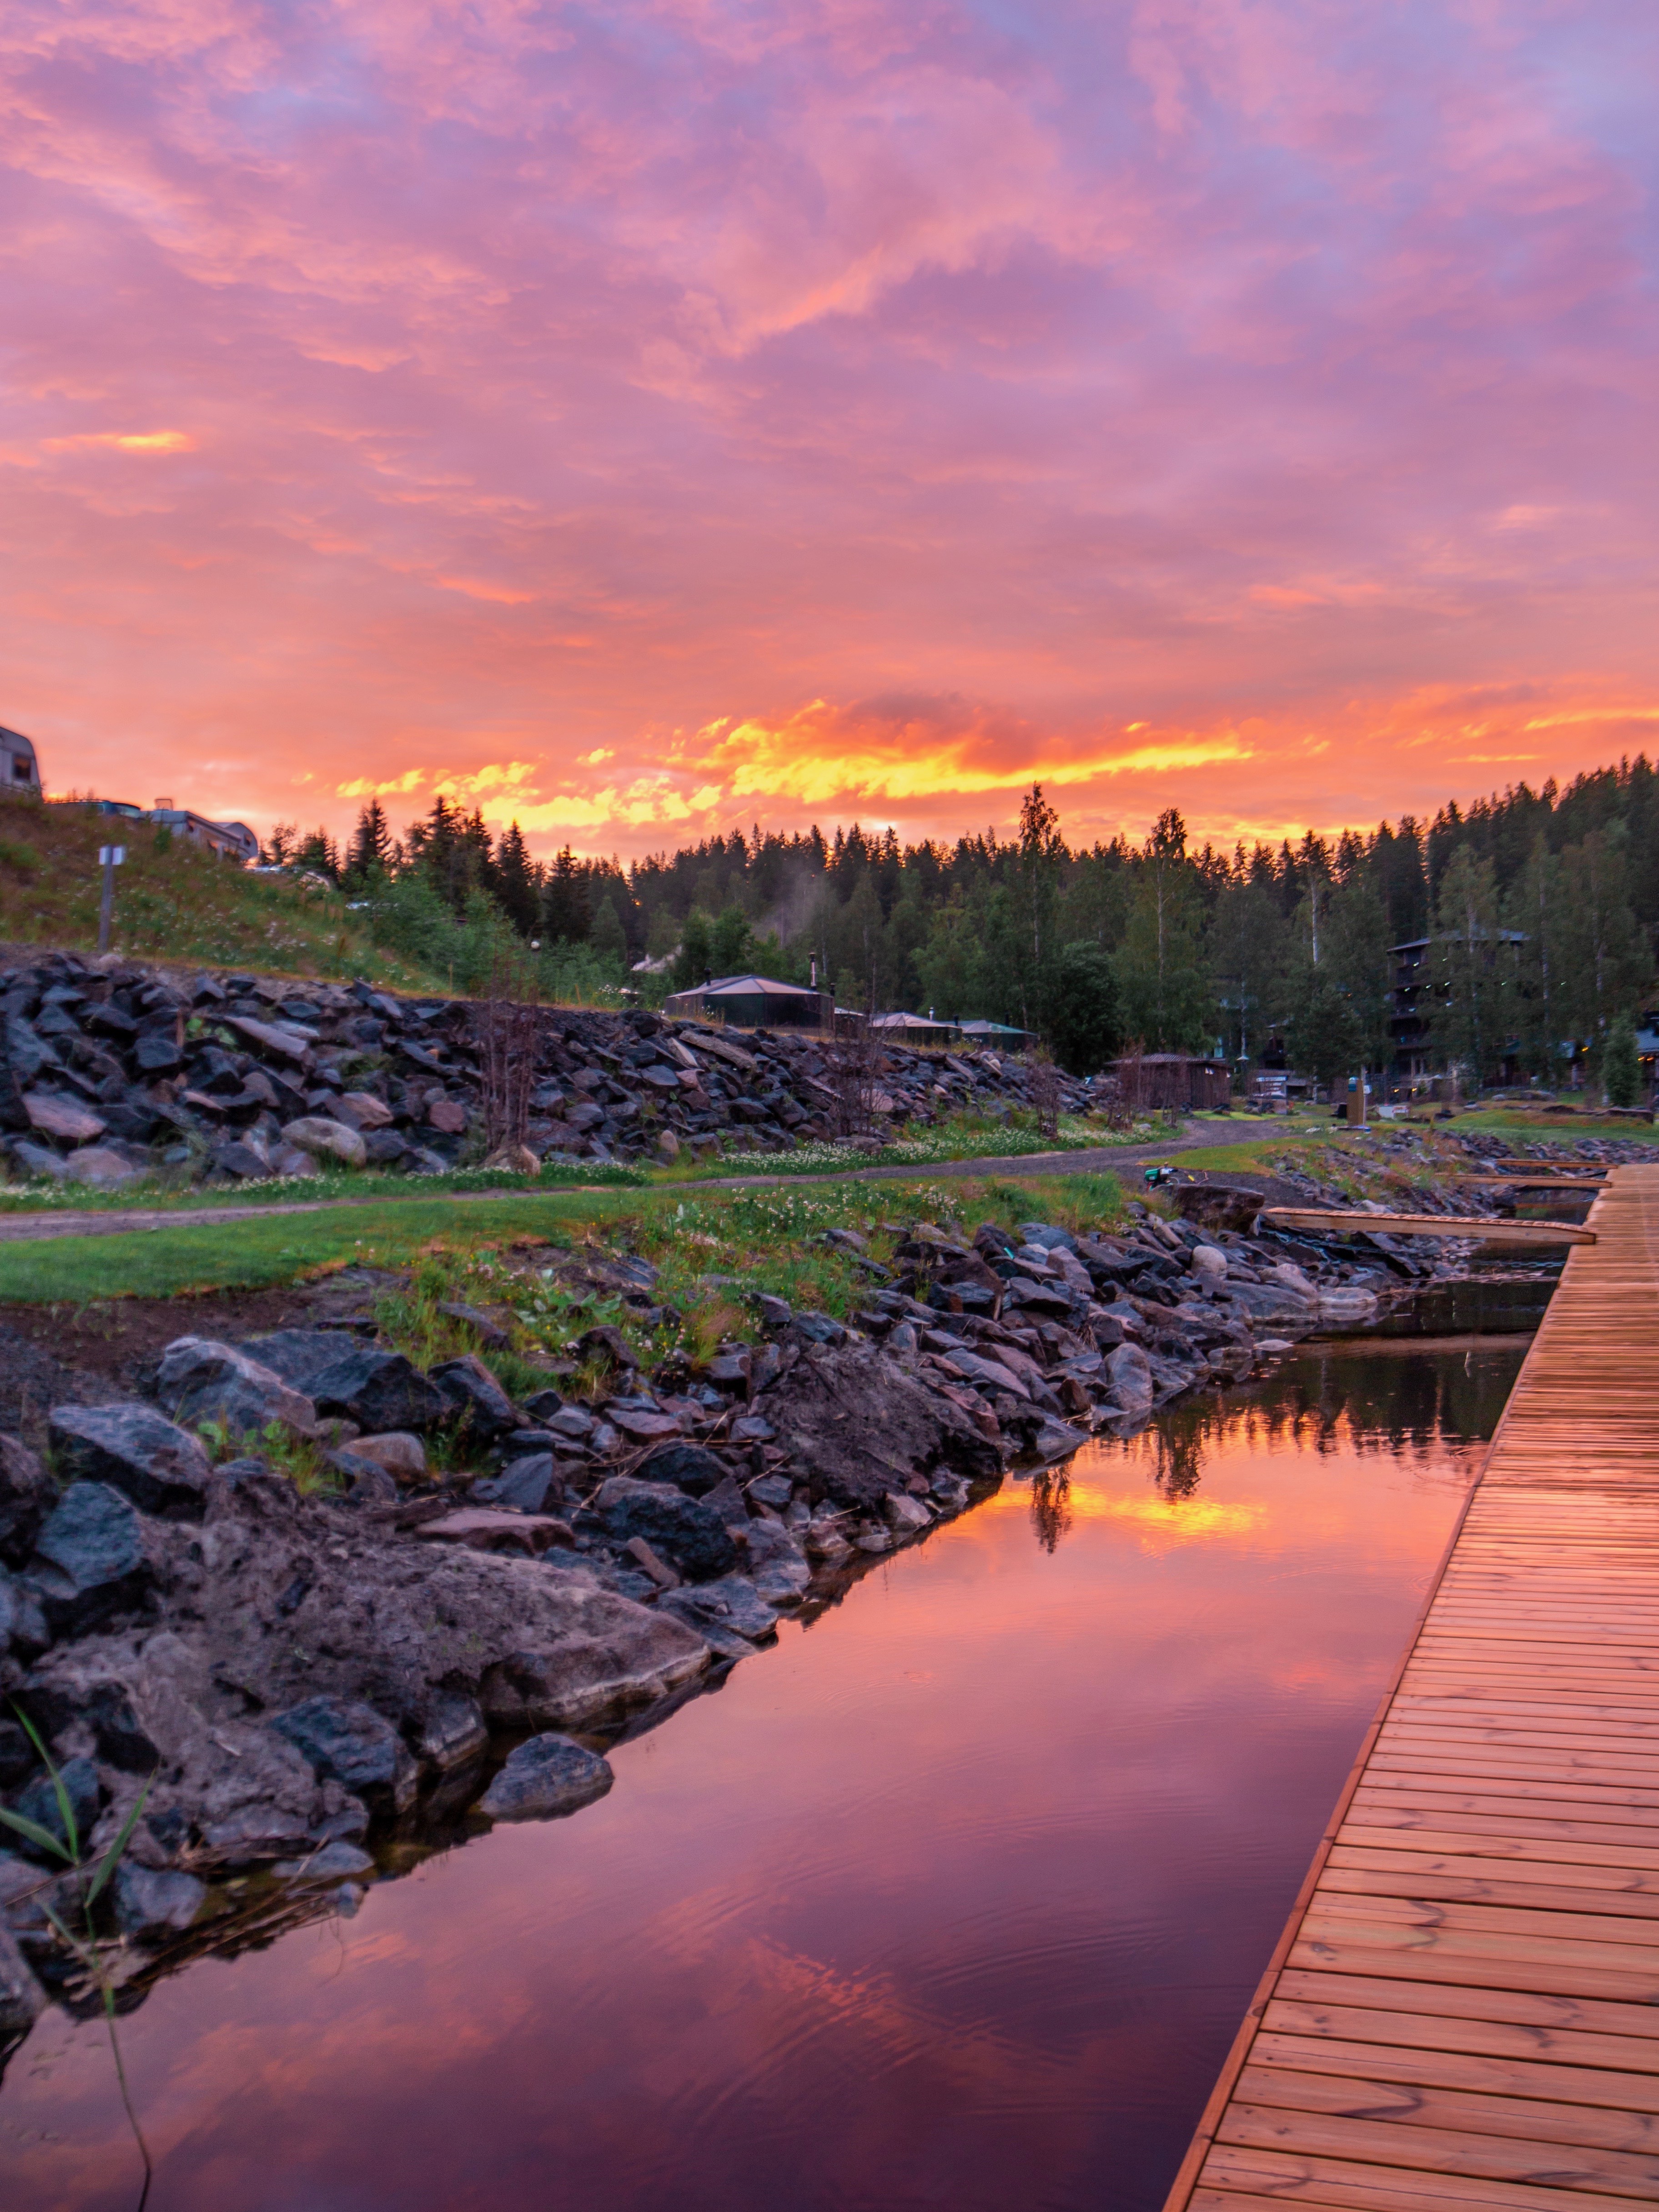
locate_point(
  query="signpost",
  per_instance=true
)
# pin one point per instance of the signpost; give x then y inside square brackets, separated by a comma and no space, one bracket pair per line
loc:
[110,858]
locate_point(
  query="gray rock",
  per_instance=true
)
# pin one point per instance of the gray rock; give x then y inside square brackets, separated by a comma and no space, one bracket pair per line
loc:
[326,1140]
[328,1862]
[398,1452]
[688,1466]
[36,1162]
[202,1380]
[385,1148]
[685,1531]
[475,1399]
[160,1468]
[1129,1375]
[39,1802]
[242,1161]
[731,1602]
[151,1905]
[451,1733]
[27,1493]
[62,1118]
[1208,1263]
[346,1741]
[377,1390]
[530,1484]
[22,2000]
[849,1418]
[1047,1238]
[487,1332]
[545,1778]
[101,1168]
[95,1557]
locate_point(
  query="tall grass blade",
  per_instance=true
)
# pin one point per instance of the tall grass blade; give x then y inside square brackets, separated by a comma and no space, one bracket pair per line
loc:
[107,1865]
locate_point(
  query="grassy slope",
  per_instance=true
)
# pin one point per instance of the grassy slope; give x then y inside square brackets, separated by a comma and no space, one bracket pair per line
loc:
[173,902]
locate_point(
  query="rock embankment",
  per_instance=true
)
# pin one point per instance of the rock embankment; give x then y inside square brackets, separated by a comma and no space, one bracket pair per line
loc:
[113,1071]
[299,1680]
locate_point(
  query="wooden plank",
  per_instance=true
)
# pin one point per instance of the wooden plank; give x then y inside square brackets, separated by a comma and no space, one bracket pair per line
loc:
[1489,1231]
[1463,2013]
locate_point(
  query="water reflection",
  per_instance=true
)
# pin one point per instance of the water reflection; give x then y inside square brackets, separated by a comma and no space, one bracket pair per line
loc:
[953,1899]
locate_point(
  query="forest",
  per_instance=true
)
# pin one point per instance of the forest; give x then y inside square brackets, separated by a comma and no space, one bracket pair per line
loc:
[1541,910]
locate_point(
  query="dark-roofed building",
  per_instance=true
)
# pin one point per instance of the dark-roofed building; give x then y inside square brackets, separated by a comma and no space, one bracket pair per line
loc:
[754,1002]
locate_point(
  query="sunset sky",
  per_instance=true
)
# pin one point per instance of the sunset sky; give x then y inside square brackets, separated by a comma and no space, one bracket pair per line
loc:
[648,419]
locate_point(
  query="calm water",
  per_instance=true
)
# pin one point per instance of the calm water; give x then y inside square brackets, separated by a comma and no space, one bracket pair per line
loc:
[955,1899]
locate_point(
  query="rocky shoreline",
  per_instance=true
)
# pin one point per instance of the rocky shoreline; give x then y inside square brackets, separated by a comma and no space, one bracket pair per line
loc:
[308,1677]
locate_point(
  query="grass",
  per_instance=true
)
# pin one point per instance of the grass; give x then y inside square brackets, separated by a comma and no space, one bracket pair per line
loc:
[960,1137]
[162,1196]
[175,902]
[766,1239]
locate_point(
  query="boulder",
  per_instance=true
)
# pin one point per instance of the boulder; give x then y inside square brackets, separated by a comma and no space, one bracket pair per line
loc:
[377,1390]
[687,1532]
[27,1493]
[1208,1263]
[152,1904]
[101,1168]
[855,1425]
[530,1484]
[1130,1375]
[344,1741]
[201,1380]
[398,1452]
[161,1468]
[447,1117]
[39,1802]
[731,1602]
[95,1557]
[688,1466]
[363,1110]
[249,1795]
[325,1139]
[452,1732]
[62,1118]
[22,2000]
[474,1399]
[242,1161]
[548,1776]
[488,1333]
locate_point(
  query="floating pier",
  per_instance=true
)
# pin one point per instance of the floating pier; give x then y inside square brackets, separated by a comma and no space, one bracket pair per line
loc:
[1462,2015]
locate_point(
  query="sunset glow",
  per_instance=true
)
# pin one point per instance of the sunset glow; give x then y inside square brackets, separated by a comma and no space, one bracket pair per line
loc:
[641,423]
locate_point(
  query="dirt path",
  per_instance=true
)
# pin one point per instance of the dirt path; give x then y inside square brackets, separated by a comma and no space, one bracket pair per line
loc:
[29,1228]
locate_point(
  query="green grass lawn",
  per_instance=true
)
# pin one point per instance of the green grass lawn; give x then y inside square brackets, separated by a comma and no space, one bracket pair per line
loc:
[768,1234]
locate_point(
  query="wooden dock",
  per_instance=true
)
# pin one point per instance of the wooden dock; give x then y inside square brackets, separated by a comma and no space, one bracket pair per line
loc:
[1486,1228]
[1463,2013]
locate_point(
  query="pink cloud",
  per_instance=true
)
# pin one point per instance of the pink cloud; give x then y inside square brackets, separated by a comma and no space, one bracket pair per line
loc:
[545,390]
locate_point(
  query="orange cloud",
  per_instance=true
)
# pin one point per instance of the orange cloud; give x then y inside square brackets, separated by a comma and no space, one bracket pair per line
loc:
[124,442]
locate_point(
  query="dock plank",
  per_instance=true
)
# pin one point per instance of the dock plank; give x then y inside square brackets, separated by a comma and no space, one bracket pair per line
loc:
[1463,2013]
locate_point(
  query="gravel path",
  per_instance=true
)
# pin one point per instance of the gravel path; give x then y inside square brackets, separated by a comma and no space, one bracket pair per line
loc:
[29,1228]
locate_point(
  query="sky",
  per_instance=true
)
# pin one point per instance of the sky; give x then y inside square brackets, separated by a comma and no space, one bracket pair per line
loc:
[642,420]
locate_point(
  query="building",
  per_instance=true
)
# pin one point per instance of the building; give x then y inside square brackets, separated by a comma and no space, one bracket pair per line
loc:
[998,1034]
[914,1029]
[231,841]
[1174,1082]
[754,1002]
[1413,995]
[19,768]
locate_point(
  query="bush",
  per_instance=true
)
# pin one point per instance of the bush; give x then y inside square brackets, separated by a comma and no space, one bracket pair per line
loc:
[1621,1069]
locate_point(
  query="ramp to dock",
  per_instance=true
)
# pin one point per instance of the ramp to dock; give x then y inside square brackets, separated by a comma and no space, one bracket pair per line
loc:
[1463,2013]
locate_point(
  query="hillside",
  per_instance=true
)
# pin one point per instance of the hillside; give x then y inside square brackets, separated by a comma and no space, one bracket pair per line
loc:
[174,901]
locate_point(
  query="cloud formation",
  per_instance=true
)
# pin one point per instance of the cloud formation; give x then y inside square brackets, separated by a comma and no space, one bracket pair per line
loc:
[639,420]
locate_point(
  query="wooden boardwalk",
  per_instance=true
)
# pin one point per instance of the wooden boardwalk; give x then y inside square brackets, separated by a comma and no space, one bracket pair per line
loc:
[1463,2013]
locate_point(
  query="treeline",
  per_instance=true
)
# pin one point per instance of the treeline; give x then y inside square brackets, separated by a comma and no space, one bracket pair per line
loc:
[1541,907]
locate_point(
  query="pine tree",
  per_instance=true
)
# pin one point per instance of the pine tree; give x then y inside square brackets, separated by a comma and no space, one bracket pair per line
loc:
[371,845]
[566,916]
[518,882]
